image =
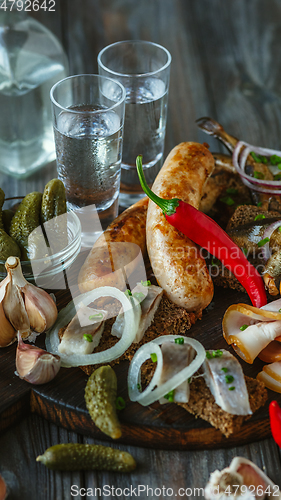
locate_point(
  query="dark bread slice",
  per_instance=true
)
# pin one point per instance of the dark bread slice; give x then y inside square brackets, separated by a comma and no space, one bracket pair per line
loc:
[242,215]
[202,403]
[168,319]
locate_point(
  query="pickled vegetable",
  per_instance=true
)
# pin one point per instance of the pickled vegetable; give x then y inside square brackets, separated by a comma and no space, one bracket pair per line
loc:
[25,220]
[7,216]
[53,201]
[100,397]
[74,457]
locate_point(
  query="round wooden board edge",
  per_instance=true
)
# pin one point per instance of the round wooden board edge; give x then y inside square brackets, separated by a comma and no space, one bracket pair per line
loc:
[78,420]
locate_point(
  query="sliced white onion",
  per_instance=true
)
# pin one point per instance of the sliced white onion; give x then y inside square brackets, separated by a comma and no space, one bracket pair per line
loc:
[266,253]
[239,161]
[131,324]
[153,393]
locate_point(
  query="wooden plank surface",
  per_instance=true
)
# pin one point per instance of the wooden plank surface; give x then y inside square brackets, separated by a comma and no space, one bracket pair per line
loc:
[225,64]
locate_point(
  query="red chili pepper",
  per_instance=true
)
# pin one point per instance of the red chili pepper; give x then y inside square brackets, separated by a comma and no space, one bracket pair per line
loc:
[209,235]
[275,421]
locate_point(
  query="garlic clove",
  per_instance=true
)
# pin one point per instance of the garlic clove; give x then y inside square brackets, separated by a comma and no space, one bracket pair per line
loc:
[40,307]
[7,332]
[35,365]
[14,310]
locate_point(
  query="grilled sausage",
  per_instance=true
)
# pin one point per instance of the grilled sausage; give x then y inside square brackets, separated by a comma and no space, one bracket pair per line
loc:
[121,245]
[175,260]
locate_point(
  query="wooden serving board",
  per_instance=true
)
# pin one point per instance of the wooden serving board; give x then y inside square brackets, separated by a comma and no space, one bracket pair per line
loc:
[157,426]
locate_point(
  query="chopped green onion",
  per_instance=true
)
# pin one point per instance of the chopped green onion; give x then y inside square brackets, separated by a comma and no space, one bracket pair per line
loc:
[170,396]
[243,327]
[261,243]
[139,296]
[217,354]
[224,369]
[232,191]
[229,379]
[245,251]
[96,316]
[279,311]
[227,200]
[146,283]
[179,341]
[208,355]
[153,356]
[128,293]
[258,175]
[275,159]
[189,380]
[139,387]
[259,204]
[259,217]
[120,403]
[88,337]
[279,229]
[279,166]
[231,388]
[255,157]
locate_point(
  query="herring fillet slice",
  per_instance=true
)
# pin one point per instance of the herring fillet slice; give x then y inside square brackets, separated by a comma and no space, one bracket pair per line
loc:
[217,372]
[175,358]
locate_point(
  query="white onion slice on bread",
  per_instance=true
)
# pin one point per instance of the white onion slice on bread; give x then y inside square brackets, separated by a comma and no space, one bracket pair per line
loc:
[153,393]
[132,315]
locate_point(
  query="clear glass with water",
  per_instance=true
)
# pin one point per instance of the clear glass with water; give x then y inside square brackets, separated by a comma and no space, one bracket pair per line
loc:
[88,130]
[144,69]
[31,62]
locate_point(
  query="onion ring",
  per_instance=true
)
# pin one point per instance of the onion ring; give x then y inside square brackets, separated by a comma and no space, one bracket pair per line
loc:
[132,313]
[239,161]
[152,394]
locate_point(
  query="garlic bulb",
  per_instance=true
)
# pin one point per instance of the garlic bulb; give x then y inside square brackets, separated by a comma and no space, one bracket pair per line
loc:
[23,306]
[35,365]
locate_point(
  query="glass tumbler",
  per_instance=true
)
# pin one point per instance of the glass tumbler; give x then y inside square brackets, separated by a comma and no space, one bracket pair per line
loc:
[88,126]
[143,68]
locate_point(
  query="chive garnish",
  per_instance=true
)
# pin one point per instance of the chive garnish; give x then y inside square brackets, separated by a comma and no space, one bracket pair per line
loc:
[96,316]
[120,403]
[179,341]
[139,387]
[231,388]
[259,204]
[232,191]
[146,283]
[189,380]
[88,337]
[224,369]
[170,396]
[128,293]
[259,217]
[229,379]
[275,159]
[215,354]
[227,200]
[243,327]
[153,356]
[258,175]
[208,355]
[139,296]
[261,243]
[259,158]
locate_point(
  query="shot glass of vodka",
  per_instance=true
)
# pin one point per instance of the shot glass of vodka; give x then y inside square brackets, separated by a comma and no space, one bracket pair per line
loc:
[144,70]
[88,128]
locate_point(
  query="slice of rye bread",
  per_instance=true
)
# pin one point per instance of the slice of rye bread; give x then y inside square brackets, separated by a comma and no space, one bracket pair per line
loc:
[242,215]
[202,403]
[168,319]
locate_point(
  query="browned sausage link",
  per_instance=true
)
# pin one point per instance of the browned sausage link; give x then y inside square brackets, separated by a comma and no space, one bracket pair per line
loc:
[109,252]
[176,261]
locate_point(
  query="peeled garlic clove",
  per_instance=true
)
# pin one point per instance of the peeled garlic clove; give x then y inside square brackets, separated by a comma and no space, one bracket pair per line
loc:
[40,307]
[35,365]
[7,332]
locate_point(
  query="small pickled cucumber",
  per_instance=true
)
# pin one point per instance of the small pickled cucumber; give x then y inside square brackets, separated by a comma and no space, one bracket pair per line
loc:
[100,397]
[8,247]
[7,216]
[53,201]
[25,220]
[74,457]
[2,199]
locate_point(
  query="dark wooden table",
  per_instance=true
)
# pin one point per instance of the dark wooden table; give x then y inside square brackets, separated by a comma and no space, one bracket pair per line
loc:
[226,64]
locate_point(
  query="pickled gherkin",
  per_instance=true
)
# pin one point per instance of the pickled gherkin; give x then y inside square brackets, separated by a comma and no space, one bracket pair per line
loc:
[100,397]
[75,457]
[8,246]
[53,201]
[25,220]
